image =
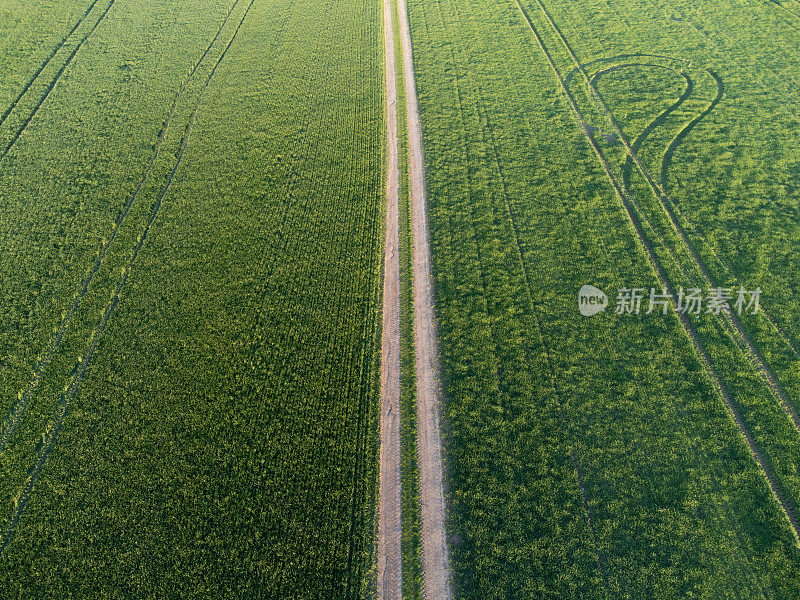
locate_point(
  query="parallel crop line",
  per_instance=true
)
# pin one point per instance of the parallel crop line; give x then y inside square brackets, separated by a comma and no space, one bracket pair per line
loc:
[601,563]
[46,62]
[52,83]
[730,321]
[23,497]
[17,411]
[652,260]
[677,406]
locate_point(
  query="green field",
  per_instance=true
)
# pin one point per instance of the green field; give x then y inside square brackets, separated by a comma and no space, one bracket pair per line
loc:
[221,441]
[192,214]
[597,457]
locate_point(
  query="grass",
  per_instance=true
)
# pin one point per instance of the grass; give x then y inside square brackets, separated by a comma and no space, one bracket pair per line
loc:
[190,222]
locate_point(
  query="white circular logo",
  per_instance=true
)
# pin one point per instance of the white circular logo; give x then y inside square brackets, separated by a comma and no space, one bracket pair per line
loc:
[591,300]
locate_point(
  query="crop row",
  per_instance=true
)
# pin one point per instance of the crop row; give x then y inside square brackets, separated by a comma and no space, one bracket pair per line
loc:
[647,488]
[235,387]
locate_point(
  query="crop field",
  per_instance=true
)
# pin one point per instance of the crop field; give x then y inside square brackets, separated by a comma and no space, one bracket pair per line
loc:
[632,144]
[190,197]
[421,299]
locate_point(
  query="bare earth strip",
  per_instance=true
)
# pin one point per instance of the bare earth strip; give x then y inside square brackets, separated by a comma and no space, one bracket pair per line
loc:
[390,564]
[435,559]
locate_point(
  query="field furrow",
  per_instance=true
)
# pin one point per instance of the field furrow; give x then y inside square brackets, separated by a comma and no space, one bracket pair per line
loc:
[17,411]
[255,422]
[20,129]
[430,300]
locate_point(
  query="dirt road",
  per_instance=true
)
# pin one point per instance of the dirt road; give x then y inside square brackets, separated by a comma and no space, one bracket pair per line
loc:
[435,558]
[390,566]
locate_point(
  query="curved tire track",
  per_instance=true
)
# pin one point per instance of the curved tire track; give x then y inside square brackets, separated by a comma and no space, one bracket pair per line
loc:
[774,485]
[655,123]
[666,162]
[730,322]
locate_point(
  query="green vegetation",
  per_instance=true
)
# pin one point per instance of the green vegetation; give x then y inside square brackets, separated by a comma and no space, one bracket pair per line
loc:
[596,457]
[205,424]
[191,215]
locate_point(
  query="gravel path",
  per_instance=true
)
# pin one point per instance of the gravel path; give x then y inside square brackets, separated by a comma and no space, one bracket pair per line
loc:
[435,558]
[390,565]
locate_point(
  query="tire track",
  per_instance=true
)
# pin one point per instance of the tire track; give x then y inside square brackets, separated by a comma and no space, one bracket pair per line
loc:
[666,162]
[730,321]
[788,10]
[712,488]
[390,563]
[18,410]
[637,143]
[46,62]
[52,83]
[778,493]
[587,513]
[435,555]
[655,123]
[22,498]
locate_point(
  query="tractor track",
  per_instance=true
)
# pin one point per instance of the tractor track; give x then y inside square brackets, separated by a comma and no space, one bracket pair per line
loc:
[795,15]
[435,554]
[730,321]
[674,143]
[666,161]
[18,410]
[390,563]
[654,124]
[44,64]
[774,485]
[678,139]
[52,84]
[679,218]
[22,498]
